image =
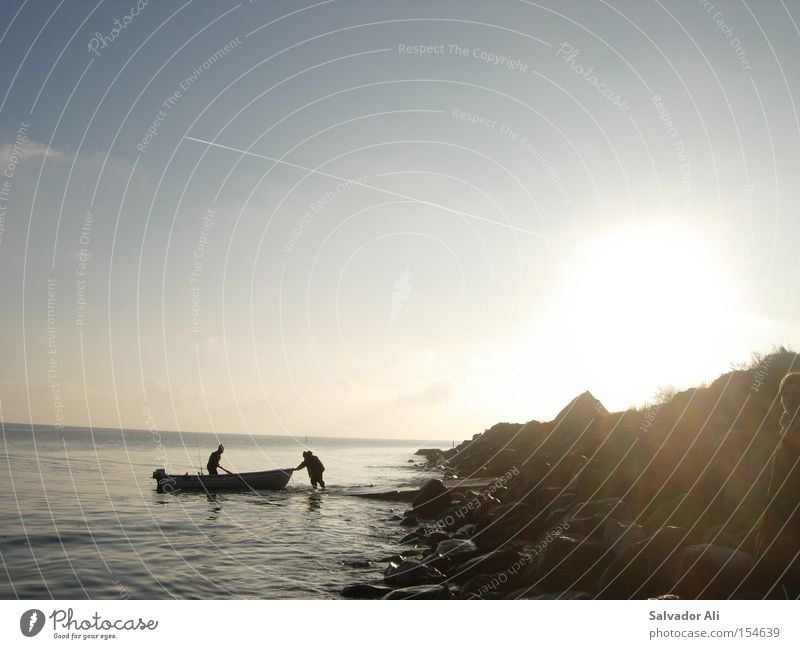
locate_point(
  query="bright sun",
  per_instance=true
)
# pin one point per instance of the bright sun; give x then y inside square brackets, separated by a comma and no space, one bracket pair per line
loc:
[648,307]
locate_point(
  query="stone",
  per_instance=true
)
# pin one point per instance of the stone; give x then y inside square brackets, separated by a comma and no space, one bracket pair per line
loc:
[485,586]
[434,538]
[711,572]
[512,522]
[692,511]
[409,521]
[608,507]
[411,573]
[465,531]
[646,568]
[586,526]
[432,499]
[457,549]
[570,562]
[619,535]
[495,561]
[364,591]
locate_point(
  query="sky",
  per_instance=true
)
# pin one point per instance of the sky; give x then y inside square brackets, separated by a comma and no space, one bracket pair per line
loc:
[383,219]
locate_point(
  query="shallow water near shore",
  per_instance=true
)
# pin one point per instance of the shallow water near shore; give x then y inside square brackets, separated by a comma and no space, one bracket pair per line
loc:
[81,517]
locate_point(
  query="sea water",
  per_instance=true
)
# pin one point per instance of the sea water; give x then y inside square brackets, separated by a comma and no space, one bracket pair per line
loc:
[81,517]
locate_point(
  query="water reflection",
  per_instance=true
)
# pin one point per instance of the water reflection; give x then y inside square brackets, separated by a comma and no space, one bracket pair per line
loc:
[314,502]
[214,511]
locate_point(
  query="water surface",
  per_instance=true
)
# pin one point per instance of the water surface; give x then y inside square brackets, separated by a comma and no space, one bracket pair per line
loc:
[81,517]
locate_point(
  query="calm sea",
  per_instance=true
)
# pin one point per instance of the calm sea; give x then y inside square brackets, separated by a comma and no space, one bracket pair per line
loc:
[81,517]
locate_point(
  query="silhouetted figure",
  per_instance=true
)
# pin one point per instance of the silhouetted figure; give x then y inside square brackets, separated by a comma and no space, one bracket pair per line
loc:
[213,461]
[315,468]
[778,541]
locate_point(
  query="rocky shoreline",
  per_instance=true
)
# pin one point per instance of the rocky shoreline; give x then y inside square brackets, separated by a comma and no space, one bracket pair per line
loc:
[659,502]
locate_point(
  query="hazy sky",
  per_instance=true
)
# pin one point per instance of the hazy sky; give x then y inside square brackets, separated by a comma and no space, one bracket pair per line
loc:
[388,218]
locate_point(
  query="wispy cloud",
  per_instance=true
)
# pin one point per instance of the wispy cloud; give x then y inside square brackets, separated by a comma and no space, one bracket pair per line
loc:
[29,149]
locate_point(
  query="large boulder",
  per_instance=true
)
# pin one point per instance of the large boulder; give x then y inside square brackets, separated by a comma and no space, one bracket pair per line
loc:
[506,559]
[400,574]
[477,587]
[465,531]
[609,507]
[432,499]
[586,526]
[505,524]
[646,568]
[569,562]
[692,511]
[619,535]
[712,572]
[457,549]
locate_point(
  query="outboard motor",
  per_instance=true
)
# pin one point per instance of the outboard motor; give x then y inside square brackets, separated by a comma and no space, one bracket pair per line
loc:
[159,473]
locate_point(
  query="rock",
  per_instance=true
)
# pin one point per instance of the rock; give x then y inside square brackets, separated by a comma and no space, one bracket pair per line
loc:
[432,499]
[619,535]
[692,511]
[562,500]
[409,521]
[646,568]
[465,531]
[511,522]
[486,586]
[411,573]
[570,562]
[395,517]
[720,535]
[586,526]
[429,452]
[410,538]
[607,507]
[711,572]
[434,538]
[357,563]
[475,587]
[581,412]
[495,561]
[457,549]
[364,591]
[440,591]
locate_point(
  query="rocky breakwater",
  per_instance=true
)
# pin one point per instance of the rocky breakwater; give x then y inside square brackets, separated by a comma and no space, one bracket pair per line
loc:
[658,502]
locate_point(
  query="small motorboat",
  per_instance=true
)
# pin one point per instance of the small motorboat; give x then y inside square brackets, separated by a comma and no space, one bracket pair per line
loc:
[170,483]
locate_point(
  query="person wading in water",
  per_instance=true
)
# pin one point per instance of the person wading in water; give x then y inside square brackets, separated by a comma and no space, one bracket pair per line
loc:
[315,468]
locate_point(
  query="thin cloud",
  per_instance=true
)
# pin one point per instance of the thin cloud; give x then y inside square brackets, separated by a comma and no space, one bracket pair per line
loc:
[30,149]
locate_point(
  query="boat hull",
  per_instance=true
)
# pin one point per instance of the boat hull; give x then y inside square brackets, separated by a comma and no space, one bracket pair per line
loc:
[256,480]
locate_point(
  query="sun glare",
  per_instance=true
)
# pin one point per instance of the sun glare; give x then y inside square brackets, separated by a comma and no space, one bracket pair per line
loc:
[648,307]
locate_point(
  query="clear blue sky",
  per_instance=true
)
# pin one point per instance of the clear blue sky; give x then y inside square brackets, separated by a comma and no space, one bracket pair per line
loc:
[389,219]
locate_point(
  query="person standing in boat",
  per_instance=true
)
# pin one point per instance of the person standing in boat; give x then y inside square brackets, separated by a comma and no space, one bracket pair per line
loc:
[315,468]
[213,461]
